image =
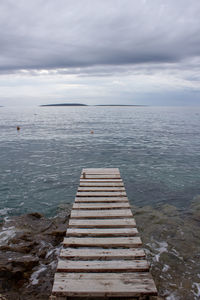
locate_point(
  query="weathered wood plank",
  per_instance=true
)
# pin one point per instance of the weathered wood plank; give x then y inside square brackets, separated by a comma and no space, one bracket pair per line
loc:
[100,176]
[101,205]
[132,242]
[100,171]
[102,184]
[104,284]
[96,253]
[107,213]
[66,265]
[101,238]
[101,189]
[102,223]
[101,180]
[101,232]
[101,199]
[100,194]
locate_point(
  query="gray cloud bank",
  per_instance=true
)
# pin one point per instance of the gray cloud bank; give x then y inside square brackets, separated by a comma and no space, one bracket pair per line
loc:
[68,35]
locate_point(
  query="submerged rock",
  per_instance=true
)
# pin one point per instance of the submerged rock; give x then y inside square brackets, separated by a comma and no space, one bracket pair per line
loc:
[171,241]
[28,257]
[195,208]
[36,215]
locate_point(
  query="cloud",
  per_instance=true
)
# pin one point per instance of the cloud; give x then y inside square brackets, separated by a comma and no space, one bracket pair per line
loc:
[66,34]
[102,50]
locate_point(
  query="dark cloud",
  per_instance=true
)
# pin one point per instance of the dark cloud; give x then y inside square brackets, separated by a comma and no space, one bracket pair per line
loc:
[67,34]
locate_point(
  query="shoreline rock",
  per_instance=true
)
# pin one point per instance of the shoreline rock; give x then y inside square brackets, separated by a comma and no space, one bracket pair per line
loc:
[31,245]
[29,253]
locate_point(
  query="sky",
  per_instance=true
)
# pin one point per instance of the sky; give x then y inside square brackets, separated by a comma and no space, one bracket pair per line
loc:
[144,52]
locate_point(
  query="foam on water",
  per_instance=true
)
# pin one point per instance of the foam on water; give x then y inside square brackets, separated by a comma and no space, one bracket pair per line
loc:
[159,248]
[4,211]
[34,277]
[6,234]
[165,268]
[196,290]
[172,297]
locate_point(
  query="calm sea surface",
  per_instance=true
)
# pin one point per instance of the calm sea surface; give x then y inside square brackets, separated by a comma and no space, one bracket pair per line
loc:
[156,149]
[158,153]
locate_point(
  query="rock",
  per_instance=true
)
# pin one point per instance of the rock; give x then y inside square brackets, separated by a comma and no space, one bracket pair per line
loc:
[42,253]
[14,266]
[21,236]
[59,232]
[36,243]
[21,247]
[27,262]
[36,215]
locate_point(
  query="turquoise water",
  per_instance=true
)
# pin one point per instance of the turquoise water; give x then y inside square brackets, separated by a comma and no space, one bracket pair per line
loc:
[156,149]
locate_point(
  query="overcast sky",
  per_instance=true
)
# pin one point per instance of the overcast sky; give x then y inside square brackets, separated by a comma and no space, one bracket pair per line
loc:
[100,52]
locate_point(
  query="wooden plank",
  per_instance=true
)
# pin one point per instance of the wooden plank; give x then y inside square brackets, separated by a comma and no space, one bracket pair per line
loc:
[100,243]
[100,171]
[107,213]
[100,194]
[101,199]
[104,284]
[101,180]
[66,265]
[96,253]
[101,189]
[132,242]
[102,223]
[101,232]
[101,205]
[101,176]
[106,184]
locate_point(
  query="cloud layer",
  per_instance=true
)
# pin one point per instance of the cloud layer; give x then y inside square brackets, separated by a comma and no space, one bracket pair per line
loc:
[89,38]
[63,34]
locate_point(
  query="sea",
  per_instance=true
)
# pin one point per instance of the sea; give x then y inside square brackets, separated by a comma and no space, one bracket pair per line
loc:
[157,150]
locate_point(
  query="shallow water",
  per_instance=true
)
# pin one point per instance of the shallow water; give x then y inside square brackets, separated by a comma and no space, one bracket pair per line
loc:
[172,245]
[157,151]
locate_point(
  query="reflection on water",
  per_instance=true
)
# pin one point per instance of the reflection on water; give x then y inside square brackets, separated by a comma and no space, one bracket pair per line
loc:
[172,244]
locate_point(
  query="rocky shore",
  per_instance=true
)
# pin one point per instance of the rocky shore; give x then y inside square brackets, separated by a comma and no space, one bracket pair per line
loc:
[30,244]
[28,255]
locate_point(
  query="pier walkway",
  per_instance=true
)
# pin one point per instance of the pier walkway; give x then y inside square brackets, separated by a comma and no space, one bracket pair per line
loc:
[102,255]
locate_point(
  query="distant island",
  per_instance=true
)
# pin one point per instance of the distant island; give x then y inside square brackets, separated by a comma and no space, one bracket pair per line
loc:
[80,104]
[64,104]
[119,105]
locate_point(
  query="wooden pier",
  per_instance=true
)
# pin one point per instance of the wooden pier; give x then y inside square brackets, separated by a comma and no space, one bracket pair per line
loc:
[102,255]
